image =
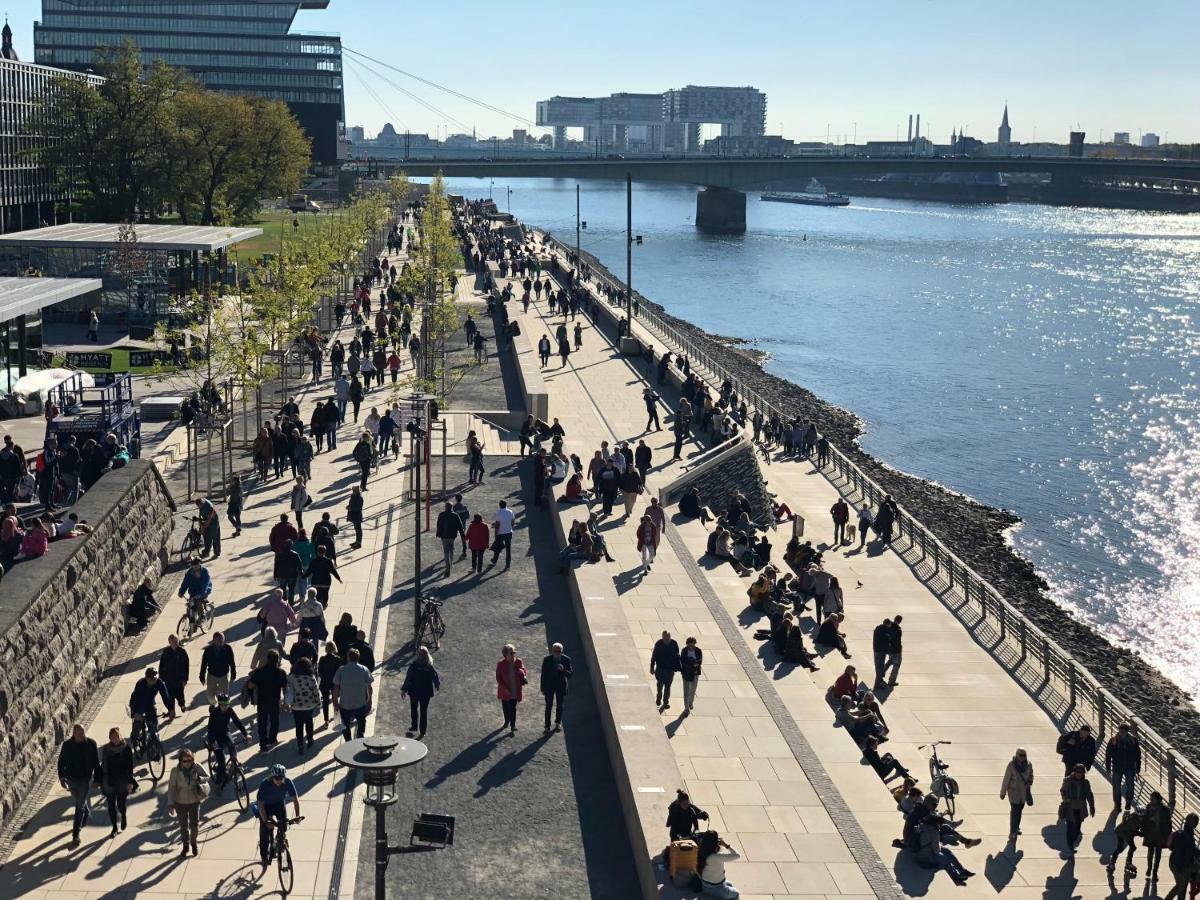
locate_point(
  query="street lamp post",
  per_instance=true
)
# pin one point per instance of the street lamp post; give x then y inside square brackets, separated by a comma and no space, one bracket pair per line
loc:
[579,225]
[630,240]
[380,758]
[509,210]
[418,405]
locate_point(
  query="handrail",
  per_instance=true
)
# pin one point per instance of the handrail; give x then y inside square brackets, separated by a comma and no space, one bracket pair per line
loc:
[1163,769]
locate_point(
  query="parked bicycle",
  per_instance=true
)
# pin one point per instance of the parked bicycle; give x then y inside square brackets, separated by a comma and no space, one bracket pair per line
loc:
[146,745]
[941,785]
[192,540]
[430,626]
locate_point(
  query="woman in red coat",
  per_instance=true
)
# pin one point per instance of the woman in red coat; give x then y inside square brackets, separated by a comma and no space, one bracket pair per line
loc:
[478,538]
[647,542]
[511,676]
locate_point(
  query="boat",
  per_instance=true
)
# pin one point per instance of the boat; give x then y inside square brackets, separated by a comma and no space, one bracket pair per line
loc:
[810,198]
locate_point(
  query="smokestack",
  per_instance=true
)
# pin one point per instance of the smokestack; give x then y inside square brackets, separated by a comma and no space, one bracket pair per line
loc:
[918,135]
[910,128]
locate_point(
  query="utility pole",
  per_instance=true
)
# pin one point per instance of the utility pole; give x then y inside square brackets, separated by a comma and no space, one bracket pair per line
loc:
[629,246]
[577,229]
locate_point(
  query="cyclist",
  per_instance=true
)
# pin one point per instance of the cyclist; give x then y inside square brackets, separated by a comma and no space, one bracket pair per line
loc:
[273,795]
[196,585]
[217,739]
[143,703]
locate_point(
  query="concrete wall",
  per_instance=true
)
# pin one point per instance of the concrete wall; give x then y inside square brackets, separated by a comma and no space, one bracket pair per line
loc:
[61,618]
[533,385]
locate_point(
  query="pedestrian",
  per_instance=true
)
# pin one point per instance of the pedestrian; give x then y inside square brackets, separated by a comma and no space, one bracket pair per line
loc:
[555,678]
[650,398]
[1126,831]
[267,685]
[631,487]
[116,777]
[511,678]
[93,330]
[503,527]
[321,572]
[356,395]
[1017,787]
[544,350]
[354,515]
[1156,833]
[421,682]
[303,699]
[173,668]
[449,529]
[664,663]
[895,650]
[647,542]
[691,660]
[186,789]
[1077,804]
[477,537]
[363,455]
[684,817]
[578,335]
[1123,761]
[233,509]
[78,770]
[1182,860]
[879,647]
[1077,747]
[352,694]
[840,513]
[464,517]
[865,519]
[327,667]
[210,526]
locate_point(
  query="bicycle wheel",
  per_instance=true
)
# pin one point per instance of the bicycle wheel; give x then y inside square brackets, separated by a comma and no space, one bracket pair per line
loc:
[933,770]
[437,625]
[206,621]
[156,758]
[240,790]
[948,796]
[286,874]
[183,627]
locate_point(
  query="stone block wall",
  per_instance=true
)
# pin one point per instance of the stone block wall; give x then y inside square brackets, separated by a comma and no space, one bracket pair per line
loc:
[61,619]
[735,469]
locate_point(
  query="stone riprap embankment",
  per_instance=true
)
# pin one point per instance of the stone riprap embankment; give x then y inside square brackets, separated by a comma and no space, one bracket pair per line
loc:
[975,532]
[62,617]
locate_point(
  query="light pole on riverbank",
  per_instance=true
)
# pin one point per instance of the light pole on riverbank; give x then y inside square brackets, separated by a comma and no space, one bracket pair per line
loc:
[630,240]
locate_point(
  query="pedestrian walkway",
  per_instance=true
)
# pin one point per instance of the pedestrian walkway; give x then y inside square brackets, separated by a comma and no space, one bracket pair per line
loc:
[950,689]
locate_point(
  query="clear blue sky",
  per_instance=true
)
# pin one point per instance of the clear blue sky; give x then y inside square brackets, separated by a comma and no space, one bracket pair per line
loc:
[1104,65]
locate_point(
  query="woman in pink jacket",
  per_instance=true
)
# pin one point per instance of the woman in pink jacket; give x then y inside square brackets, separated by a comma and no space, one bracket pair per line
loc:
[647,542]
[277,613]
[511,677]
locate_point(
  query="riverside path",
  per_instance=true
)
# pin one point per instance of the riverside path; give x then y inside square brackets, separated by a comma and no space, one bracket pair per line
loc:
[760,753]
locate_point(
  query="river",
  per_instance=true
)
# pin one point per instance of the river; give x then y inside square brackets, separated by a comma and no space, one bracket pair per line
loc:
[1037,358]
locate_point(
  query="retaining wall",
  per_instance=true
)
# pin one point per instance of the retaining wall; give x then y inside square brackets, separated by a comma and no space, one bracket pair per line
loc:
[62,617]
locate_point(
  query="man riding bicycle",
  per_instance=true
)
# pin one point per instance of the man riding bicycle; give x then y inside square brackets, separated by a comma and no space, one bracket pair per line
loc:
[272,798]
[196,585]
[143,703]
[217,739]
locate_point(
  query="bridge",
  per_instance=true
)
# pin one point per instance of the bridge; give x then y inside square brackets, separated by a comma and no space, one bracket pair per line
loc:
[721,204]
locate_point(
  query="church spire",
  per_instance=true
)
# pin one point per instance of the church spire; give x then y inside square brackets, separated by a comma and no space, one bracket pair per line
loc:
[1004,132]
[6,48]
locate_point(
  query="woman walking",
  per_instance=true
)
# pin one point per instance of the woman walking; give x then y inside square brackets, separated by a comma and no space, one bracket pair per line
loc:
[234,509]
[303,699]
[312,615]
[1077,804]
[421,682]
[354,515]
[1016,786]
[264,451]
[478,539]
[511,677]
[300,500]
[690,662]
[116,779]
[647,542]
[187,787]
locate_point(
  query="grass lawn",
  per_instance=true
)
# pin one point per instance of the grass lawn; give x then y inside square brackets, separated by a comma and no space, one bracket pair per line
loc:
[277,224]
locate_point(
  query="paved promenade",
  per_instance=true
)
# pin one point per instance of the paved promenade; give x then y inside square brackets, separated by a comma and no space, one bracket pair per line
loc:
[761,752]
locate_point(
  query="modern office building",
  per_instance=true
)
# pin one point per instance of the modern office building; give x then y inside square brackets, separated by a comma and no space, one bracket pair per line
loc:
[29,192]
[666,121]
[1149,139]
[237,47]
[1120,137]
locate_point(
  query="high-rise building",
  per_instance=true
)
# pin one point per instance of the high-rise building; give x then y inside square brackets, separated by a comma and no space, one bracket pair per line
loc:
[1004,133]
[1149,139]
[1120,137]
[29,192]
[233,46]
[355,134]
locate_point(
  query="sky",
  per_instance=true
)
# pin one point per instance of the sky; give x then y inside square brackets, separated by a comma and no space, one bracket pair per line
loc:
[842,69]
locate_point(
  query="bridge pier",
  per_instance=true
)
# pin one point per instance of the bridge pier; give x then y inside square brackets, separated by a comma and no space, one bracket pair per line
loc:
[721,210]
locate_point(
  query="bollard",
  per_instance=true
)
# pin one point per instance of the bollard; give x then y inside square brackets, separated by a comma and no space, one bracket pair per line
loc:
[1172,776]
[1073,684]
[1101,714]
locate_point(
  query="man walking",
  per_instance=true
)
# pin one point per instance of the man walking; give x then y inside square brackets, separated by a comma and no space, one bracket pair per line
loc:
[173,668]
[651,400]
[503,525]
[1123,761]
[544,350]
[642,457]
[556,673]
[217,667]
[268,684]
[78,770]
[210,526]
[664,663]
[464,516]
[879,646]
[841,515]
[895,649]
[352,694]
[449,528]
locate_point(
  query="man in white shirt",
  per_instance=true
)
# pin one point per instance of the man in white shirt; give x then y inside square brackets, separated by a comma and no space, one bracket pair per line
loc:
[503,525]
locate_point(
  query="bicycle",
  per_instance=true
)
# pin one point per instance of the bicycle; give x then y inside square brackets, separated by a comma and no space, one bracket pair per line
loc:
[277,849]
[146,744]
[192,540]
[198,618]
[234,771]
[941,785]
[430,626]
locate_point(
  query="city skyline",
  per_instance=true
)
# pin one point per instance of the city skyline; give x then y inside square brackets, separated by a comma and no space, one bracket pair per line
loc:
[823,74]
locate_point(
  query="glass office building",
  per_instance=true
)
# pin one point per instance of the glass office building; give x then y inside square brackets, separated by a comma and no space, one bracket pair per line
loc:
[238,47]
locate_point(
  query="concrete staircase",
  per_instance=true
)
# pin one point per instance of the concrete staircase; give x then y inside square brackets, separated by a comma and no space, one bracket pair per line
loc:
[496,441]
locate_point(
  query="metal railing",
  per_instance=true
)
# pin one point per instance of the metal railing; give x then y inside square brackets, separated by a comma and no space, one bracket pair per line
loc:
[1023,648]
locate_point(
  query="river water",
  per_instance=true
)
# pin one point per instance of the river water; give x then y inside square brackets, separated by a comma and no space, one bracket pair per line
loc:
[1037,358]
